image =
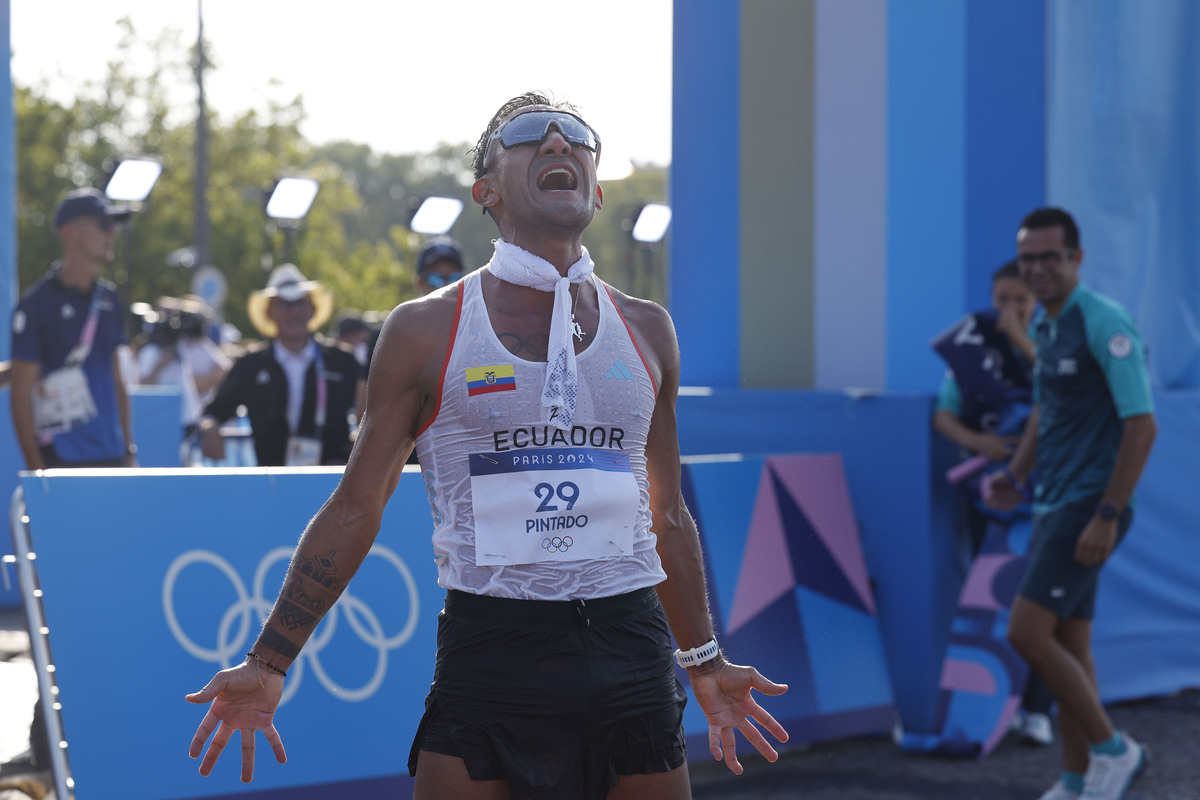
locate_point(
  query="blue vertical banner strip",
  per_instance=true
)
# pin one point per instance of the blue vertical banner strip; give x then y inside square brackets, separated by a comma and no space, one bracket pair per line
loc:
[926,192]
[704,186]
[850,187]
[1006,124]
[8,186]
[1123,93]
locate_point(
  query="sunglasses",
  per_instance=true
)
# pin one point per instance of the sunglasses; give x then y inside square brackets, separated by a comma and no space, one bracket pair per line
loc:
[532,127]
[438,279]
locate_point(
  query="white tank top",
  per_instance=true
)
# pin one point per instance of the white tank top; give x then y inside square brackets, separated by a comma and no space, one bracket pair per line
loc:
[520,508]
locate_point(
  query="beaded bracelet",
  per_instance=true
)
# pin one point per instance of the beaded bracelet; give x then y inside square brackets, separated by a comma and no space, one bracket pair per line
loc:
[259,660]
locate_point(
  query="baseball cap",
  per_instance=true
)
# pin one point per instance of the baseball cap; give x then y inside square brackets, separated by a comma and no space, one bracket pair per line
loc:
[442,248]
[88,203]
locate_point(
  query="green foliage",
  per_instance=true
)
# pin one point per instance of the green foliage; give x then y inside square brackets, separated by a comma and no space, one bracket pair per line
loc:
[354,239]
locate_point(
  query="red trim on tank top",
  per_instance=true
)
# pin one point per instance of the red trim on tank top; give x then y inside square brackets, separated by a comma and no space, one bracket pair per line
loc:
[632,338]
[446,361]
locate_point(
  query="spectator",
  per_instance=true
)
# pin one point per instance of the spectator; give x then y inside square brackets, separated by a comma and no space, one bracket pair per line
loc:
[982,407]
[351,332]
[179,351]
[69,406]
[298,393]
[1089,436]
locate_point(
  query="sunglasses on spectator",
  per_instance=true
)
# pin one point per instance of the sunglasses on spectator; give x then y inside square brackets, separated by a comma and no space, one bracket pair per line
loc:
[439,279]
[532,127]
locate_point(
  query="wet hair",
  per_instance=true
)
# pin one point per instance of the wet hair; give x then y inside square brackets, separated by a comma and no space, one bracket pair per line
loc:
[1008,269]
[1053,218]
[479,152]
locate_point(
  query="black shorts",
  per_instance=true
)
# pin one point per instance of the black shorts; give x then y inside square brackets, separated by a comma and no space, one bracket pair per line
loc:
[556,698]
[1054,578]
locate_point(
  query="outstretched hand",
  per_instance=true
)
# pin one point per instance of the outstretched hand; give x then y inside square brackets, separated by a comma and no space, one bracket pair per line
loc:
[723,691]
[243,699]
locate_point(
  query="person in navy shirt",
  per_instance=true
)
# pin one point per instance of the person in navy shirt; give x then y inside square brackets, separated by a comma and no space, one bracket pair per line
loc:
[1089,435]
[54,334]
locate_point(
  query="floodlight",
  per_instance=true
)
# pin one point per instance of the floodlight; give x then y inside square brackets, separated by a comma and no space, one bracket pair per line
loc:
[652,222]
[436,215]
[133,179]
[291,198]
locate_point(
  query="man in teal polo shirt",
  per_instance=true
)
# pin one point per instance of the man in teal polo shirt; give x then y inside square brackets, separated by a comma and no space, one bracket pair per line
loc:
[1089,436]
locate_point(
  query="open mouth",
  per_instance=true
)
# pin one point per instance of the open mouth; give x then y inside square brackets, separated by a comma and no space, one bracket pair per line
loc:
[556,179]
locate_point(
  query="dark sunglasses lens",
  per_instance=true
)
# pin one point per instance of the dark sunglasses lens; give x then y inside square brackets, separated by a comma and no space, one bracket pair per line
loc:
[437,279]
[532,127]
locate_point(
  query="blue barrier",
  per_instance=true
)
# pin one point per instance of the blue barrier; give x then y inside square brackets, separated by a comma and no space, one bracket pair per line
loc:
[156,412]
[153,579]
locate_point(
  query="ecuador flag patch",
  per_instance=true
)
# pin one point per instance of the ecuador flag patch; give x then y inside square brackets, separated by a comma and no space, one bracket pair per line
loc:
[484,380]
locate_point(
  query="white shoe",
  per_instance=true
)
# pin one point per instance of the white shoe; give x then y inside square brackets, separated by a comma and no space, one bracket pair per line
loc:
[1036,729]
[1059,792]
[1109,777]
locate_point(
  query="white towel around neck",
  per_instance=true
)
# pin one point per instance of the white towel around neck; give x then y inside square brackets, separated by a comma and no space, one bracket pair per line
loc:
[511,263]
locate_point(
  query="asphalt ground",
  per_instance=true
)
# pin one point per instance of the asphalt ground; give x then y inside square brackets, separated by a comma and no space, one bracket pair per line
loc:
[854,769]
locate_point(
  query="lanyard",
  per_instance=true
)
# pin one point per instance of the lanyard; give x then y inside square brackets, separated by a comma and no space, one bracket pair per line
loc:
[87,337]
[322,391]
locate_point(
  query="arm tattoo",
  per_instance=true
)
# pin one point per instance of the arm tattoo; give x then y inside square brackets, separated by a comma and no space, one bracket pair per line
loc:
[301,604]
[279,643]
[322,569]
[530,348]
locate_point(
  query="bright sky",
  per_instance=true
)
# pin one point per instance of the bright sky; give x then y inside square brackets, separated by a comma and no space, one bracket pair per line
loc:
[398,76]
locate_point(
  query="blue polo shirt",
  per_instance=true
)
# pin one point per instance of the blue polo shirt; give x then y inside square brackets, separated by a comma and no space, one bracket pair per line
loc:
[46,327]
[1090,375]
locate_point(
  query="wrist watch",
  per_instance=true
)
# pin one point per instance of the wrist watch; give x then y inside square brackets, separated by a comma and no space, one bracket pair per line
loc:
[698,655]
[1107,511]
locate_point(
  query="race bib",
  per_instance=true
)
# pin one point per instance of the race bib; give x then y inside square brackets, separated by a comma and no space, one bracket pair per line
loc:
[302,451]
[552,504]
[62,401]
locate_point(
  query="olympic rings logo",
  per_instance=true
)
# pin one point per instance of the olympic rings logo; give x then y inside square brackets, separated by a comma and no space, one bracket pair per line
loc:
[240,623]
[558,544]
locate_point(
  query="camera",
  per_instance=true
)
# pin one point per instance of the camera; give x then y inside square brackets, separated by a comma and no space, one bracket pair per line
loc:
[172,319]
[173,325]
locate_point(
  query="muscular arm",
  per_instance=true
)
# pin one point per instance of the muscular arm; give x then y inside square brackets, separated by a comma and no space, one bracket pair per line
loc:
[25,375]
[338,538]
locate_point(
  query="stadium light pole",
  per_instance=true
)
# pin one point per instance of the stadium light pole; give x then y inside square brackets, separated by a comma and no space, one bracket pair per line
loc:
[287,204]
[435,215]
[647,231]
[130,182]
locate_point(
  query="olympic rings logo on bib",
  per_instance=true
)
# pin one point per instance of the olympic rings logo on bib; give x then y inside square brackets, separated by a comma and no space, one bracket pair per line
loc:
[558,544]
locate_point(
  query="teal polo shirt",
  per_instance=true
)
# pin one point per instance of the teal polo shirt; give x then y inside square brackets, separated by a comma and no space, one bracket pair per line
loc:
[1089,376]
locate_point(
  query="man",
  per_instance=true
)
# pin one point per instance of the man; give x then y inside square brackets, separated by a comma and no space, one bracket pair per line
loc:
[354,334]
[69,406]
[298,393]
[1090,435]
[439,264]
[554,674]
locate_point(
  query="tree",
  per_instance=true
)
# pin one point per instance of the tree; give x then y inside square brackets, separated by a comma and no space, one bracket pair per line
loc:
[354,239]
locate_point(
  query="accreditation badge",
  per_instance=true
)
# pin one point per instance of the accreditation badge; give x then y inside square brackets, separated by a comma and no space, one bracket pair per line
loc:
[537,505]
[62,401]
